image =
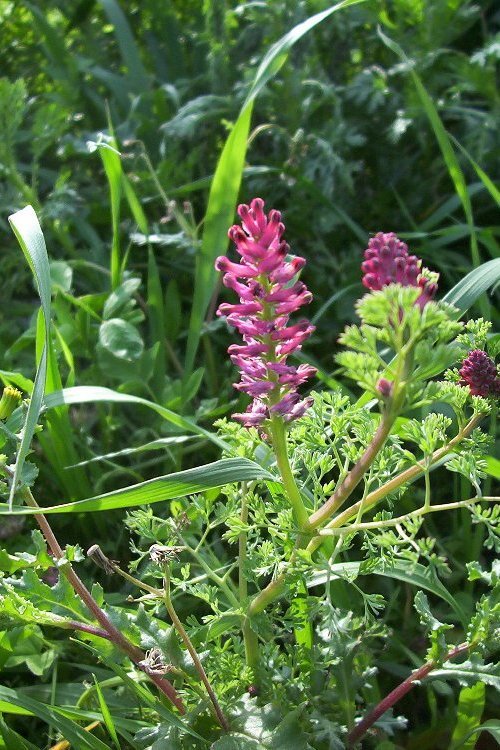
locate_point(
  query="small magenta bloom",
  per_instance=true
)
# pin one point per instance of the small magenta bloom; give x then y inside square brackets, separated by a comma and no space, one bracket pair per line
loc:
[478,371]
[387,261]
[385,387]
[265,282]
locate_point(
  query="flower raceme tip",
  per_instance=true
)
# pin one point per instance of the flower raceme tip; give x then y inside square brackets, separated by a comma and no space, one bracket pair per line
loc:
[265,282]
[387,261]
[478,371]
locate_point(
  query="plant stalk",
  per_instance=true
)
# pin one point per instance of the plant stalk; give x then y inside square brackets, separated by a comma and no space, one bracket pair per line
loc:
[278,436]
[114,635]
[192,651]
[356,474]
[399,692]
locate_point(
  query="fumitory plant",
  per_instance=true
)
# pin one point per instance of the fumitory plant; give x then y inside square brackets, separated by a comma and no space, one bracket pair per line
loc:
[281,649]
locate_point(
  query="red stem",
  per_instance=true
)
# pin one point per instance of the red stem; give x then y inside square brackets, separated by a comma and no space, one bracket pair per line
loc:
[356,474]
[113,634]
[85,628]
[399,692]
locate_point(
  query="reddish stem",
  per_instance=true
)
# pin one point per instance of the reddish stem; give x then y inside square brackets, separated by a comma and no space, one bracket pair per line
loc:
[86,628]
[399,692]
[356,474]
[113,634]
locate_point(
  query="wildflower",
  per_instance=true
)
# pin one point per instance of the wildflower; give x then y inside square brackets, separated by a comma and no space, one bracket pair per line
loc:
[384,388]
[478,371]
[265,281]
[387,261]
[10,400]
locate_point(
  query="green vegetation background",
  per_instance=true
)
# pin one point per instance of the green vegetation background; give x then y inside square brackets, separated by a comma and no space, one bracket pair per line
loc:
[382,118]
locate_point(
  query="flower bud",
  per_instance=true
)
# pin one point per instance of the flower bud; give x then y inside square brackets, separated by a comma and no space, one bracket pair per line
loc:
[96,554]
[11,398]
[384,388]
[478,371]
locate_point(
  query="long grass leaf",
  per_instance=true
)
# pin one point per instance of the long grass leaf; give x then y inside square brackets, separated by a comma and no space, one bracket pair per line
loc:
[449,156]
[181,484]
[227,179]
[75,734]
[129,50]
[414,574]
[471,287]
[92,393]
[106,714]
[110,158]
[469,711]
[487,181]
[30,237]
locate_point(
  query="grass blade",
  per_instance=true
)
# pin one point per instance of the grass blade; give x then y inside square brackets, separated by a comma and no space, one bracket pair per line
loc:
[469,711]
[75,734]
[471,287]
[110,158]
[30,237]
[182,483]
[414,574]
[129,51]
[227,179]
[443,139]
[106,714]
[91,393]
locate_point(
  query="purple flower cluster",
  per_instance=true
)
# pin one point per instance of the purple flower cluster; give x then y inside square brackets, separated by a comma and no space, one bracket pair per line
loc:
[387,262]
[264,282]
[478,371]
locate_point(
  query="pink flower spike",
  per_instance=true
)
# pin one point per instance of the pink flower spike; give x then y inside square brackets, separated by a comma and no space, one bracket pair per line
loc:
[387,261]
[262,315]
[478,371]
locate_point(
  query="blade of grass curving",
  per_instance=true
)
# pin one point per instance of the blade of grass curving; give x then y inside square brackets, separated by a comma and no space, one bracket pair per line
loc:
[110,158]
[449,156]
[487,182]
[412,573]
[469,712]
[155,445]
[106,714]
[227,179]
[29,234]
[92,393]
[57,437]
[129,50]
[471,287]
[71,731]
[156,319]
[168,487]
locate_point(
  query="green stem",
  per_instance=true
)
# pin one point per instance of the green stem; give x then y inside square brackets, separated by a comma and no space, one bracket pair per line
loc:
[192,651]
[136,581]
[211,574]
[250,638]
[423,511]
[242,545]
[278,437]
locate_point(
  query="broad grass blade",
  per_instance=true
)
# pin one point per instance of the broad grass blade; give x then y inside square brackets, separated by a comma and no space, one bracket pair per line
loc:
[168,487]
[30,237]
[227,179]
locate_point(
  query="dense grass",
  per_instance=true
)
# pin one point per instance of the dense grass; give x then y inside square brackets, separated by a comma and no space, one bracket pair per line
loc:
[134,129]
